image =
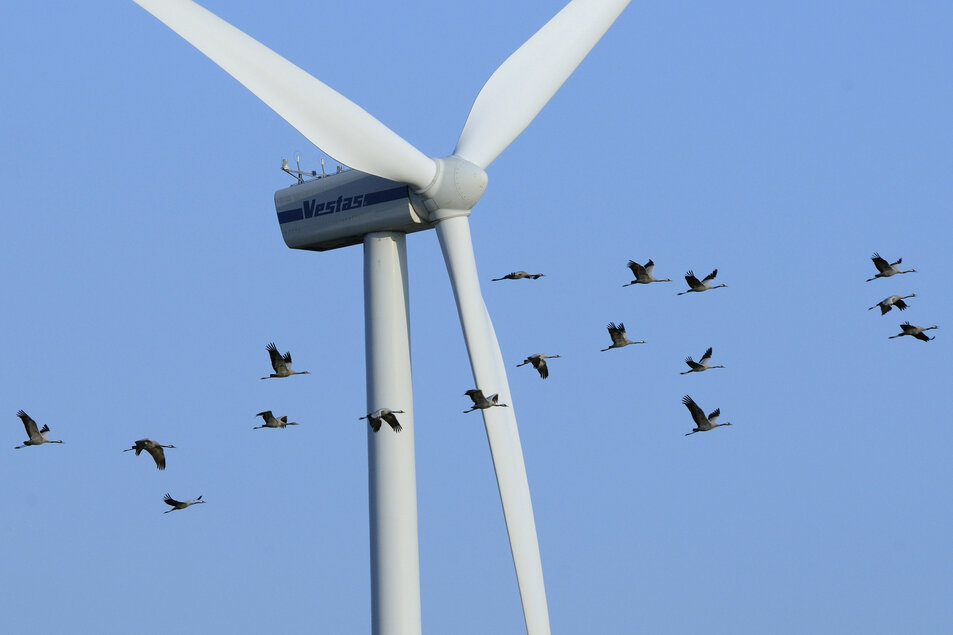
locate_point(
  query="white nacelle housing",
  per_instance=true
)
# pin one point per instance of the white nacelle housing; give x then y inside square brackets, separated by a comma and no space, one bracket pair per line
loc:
[340,209]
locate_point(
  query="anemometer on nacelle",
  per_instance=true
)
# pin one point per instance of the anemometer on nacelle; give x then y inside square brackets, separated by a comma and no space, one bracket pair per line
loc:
[337,210]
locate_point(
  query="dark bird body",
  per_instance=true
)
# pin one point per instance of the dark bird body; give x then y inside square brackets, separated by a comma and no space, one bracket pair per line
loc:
[643,273]
[915,331]
[153,448]
[885,269]
[893,301]
[480,402]
[271,421]
[281,363]
[384,414]
[701,365]
[519,275]
[539,363]
[697,286]
[619,339]
[180,504]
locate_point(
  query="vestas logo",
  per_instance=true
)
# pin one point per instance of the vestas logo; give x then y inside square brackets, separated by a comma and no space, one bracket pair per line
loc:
[317,207]
[314,208]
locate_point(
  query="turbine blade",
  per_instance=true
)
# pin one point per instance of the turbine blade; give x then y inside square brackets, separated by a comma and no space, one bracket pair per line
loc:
[522,85]
[338,126]
[489,375]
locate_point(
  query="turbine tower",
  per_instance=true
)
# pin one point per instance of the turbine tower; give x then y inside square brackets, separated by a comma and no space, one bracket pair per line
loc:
[394,189]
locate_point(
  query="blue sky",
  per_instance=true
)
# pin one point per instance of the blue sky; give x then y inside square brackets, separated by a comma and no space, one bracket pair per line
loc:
[144,274]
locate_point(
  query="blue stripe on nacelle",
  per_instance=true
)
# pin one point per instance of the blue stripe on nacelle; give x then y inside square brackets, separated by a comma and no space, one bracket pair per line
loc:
[311,208]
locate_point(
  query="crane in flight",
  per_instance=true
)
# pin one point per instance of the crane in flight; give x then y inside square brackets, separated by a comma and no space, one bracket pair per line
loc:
[37,436]
[893,301]
[885,269]
[480,402]
[384,414]
[271,421]
[701,365]
[702,423]
[619,339]
[915,331]
[180,504]
[281,363]
[153,448]
[519,275]
[539,363]
[643,273]
[697,286]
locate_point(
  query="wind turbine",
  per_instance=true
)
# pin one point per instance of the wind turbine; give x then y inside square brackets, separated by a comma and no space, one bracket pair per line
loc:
[394,189]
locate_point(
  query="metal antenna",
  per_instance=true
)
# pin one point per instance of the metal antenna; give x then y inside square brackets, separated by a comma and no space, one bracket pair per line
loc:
[298,174]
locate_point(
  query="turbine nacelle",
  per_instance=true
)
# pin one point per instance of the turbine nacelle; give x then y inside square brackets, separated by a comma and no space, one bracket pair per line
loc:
[340,209]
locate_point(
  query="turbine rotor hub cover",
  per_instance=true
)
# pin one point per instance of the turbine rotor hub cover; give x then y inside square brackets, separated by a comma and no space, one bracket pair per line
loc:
[456,187]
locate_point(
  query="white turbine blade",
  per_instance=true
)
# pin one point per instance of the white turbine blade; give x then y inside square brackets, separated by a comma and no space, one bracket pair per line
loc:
[338,126]
[522,85]
[501,431]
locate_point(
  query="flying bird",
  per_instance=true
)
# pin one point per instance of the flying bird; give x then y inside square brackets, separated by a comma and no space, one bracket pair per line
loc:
[643,273]
[700,365]
[519,275]
[702,423]
[885,269]
[273,422]
[386,414]
[699,286]
[180,504]
[893,301]
[281,363]
[617,333]
[153,448]
[539,363]
[37,437]
[915,331]
[482,403]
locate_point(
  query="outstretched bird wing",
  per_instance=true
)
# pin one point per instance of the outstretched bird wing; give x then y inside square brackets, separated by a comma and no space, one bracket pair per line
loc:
[693,364]
[649,267]
[697,415]
[157,455]
[374,421]
[276,359]
[171,501]
[540,364]
[28,423]
[476,395]
[617,333]
[711,276]
[391,420]
[637,270]
[881,264]
[692,280]
[706,357]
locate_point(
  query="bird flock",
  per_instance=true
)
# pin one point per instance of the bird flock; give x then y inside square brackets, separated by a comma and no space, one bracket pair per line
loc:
[281,364]
[886,270]
[643,274]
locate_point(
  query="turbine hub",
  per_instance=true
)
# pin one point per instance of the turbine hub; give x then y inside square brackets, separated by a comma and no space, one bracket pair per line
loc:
[455,189]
